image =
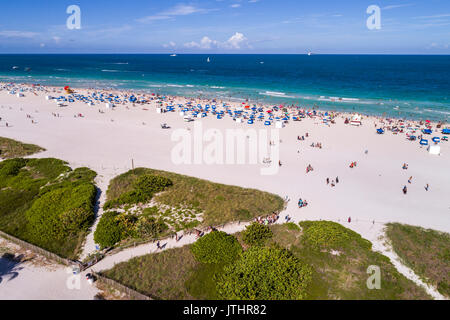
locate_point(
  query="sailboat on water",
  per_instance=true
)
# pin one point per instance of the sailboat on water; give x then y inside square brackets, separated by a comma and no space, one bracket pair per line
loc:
[208,60]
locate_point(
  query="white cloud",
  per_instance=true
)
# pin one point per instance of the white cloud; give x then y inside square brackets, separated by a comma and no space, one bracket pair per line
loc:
[205,43]
[433,17]
[178,10]
[394,6]
[236,5]
[17,34]
[171,44]
[236,41]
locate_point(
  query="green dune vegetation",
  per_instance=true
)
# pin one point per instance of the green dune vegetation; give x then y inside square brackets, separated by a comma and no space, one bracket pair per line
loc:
[46,203]
[312,260]
[10,148]
[144,204]
[425,251]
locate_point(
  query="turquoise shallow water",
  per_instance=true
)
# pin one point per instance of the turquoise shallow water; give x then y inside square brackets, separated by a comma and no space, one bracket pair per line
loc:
[416,87]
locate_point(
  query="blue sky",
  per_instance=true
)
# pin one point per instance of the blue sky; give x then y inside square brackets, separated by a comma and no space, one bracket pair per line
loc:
[225,26]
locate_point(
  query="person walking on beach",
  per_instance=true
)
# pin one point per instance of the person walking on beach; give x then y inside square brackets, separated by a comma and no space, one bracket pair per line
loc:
[158,245]
[349,219]
[337,180]
[426,187]
[405,190]
[409,180]
[328,180]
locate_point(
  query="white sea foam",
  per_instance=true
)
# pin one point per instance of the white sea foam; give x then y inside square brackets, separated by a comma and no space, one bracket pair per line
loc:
[275,94]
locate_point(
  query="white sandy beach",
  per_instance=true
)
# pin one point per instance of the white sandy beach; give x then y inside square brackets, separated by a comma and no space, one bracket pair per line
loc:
[371,193]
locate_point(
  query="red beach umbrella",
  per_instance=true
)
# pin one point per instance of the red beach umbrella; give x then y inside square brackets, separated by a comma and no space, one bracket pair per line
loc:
[66,88]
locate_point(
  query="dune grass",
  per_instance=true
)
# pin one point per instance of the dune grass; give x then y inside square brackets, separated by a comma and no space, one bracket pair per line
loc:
[219,203]
[10,148]
[339,272]
[160,276]
[44,202]
[425,251]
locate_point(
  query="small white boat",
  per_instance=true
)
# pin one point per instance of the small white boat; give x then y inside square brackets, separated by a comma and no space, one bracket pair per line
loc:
[15,67]
[208,60]
[173,55]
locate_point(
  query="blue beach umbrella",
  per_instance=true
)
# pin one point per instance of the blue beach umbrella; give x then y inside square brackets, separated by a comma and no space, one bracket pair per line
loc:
[424,142]
[436,139]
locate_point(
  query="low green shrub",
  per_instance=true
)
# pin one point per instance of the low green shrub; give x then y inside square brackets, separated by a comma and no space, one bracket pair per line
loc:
[109,230]
[265,274]
[216,247]
[330,235]
[44,202]
[256,234]
[61,212]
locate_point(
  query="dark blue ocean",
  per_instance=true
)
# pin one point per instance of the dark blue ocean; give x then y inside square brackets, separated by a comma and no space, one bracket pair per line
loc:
[400,86]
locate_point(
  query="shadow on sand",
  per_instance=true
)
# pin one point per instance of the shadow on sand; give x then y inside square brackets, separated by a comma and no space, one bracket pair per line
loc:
[10,266]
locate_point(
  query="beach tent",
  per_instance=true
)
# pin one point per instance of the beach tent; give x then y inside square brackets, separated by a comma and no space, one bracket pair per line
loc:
[238,120]
[427,131]
[434,149]
[380,131]
[279,124]
[424,142]
[356,120]
[109,105]
[445,131]
[158,110]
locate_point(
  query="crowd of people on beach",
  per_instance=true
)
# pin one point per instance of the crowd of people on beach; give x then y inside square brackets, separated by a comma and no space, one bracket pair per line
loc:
[302,203]
[271,219]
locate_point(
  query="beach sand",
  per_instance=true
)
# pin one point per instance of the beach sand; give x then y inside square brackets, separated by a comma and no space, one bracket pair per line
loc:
[371,193]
